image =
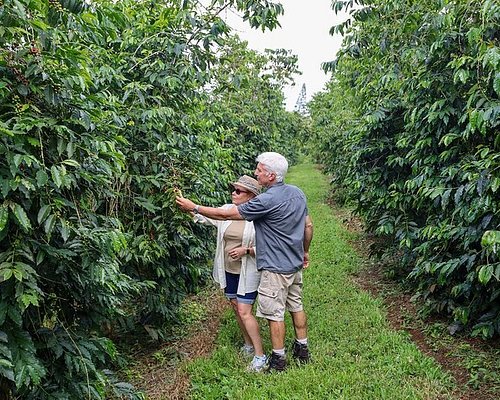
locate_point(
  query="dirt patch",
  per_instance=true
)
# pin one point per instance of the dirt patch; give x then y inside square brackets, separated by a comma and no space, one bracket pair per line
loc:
[161,370]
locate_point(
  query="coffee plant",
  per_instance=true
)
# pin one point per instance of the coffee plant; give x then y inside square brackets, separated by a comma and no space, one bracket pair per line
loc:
[106,110]
[409,129]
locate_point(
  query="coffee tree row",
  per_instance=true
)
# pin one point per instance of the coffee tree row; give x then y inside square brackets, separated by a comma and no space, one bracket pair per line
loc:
[409,129]
[106,109]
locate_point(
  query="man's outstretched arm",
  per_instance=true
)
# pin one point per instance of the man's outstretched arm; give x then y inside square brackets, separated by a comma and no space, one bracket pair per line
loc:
[210,212]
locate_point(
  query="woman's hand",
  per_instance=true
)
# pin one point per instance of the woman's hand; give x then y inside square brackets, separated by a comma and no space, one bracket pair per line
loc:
[237,253]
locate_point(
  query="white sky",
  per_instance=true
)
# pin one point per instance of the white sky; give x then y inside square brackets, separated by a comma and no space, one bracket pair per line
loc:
[305,28]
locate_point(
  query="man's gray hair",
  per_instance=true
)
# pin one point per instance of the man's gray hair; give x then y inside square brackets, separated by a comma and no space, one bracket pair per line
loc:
[274,162]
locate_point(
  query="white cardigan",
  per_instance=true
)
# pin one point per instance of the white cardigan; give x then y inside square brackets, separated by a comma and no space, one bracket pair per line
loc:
[249,276]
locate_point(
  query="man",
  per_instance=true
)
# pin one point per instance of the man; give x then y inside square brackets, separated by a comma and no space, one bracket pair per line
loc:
[283,233]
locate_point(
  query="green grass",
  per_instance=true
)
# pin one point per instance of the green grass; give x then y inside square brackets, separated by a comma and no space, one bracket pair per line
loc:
[355,353]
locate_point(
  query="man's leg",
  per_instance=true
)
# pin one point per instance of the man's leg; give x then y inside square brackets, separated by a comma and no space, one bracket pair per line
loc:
[277,361]
[277,329]
[299,324]
[271,306]
[294,304]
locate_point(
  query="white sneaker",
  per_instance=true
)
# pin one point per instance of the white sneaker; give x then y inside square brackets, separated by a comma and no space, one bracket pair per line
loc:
[247,351]
[258,364]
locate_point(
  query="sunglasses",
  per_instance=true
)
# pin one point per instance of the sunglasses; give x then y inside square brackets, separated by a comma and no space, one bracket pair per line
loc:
[239,191]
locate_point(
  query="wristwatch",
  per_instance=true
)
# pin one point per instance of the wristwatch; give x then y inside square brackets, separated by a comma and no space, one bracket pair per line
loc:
[196,209]
[248,250]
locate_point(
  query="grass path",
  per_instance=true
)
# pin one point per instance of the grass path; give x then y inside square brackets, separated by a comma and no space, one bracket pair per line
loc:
[356,354]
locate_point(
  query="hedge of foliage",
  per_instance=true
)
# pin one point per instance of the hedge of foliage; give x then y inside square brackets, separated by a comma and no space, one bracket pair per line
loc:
[106,108]
[409,128]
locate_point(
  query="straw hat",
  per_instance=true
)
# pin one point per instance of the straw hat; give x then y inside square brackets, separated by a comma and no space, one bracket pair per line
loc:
[247,183]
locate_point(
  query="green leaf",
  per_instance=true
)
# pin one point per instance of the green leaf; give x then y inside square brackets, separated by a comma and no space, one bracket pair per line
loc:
[29,298]
[491,241]
[449,138]
[72,163]
[445,197]
[18,274]
[22,376]
[496,83]
[4,217]
[56,176]
[64,229]
[474,35]
[5,363]
[33,141]
[43,213]
[38,24]
[5,187]
[485,274]
[7,274]
[5,131]
[49,224]
[145,203]
[7,372]
[18,159]
[495,184]
[21,216]
[49,95]
[41,178]
[40,257]
[70,149]
[4,306]
[15,316]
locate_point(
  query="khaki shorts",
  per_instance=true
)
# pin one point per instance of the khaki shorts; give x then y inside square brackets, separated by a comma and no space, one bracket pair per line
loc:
[278,292]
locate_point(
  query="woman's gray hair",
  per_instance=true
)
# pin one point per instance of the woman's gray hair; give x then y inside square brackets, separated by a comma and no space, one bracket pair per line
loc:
[275,163]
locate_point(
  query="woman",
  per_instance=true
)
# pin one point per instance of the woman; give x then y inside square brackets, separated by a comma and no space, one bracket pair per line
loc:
[235,269]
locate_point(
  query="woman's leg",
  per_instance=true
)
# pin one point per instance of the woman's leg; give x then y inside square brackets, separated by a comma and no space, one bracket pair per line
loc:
[232,281]
[250,327]
[246,337]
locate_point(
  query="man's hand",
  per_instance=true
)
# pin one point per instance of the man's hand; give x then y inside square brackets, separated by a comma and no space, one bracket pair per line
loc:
[306,260]
[185,204]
